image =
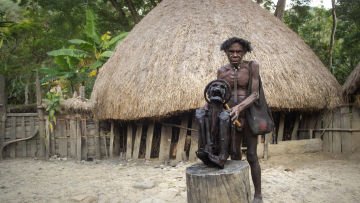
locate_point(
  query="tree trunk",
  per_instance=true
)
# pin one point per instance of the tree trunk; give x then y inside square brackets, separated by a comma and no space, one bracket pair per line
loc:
[124,21]
[2,93]
[280,8]
[44,145]
[209,184]
[132,9]
[332,37]
[259,1]
[27,92]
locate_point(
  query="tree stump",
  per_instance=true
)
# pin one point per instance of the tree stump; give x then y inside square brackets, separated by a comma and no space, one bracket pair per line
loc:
[206,184]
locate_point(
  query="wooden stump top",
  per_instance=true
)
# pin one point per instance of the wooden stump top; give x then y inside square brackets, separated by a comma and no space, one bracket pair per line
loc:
[231,167]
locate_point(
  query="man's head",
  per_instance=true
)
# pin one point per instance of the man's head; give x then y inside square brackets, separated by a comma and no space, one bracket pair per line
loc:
[235,49]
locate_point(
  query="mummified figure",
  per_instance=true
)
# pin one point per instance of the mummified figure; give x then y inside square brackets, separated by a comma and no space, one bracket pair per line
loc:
[214,125]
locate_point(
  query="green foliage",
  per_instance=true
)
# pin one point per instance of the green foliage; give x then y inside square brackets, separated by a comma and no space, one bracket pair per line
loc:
[314,26]
[52,100]
[80,61]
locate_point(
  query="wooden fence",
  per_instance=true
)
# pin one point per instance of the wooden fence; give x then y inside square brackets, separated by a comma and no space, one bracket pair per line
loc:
[83,138]
[341,134]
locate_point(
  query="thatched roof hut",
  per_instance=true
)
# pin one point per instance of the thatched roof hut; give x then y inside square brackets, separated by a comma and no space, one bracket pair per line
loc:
[165,62]
[352,83]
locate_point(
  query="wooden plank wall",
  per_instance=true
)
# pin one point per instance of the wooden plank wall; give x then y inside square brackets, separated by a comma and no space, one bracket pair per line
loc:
[19,126]
[347,139]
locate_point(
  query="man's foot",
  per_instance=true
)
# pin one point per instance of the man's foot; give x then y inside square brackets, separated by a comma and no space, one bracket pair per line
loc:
[257,200]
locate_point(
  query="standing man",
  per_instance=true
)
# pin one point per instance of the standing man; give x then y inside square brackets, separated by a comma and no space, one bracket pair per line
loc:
[237,74]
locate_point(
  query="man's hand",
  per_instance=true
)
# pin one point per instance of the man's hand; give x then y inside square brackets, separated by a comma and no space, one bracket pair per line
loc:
[234,113]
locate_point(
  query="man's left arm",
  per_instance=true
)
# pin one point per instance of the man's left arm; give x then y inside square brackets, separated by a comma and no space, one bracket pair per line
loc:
[254,92]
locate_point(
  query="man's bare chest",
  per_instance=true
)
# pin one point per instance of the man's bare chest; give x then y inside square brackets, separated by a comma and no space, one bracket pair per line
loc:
[240,77]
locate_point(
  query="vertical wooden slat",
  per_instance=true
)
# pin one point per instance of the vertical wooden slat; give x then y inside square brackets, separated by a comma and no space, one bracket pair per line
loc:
[346,137]
[129,142]
[22,144]
[52,135]
[12,137]
[137,141]
[165,142]
[281,128]
[355,125]
[72,131]
[103,137]
[260,147]
[32,141]
[295,129]
[149,138]
[84,149]
[266,145]
[97,140]
[111,151]
[2,112]
[62,138]
[336,141]
[180,153]
[78,138]
[194,140]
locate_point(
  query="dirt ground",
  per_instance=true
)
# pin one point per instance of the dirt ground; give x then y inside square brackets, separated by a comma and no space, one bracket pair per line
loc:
[314,177]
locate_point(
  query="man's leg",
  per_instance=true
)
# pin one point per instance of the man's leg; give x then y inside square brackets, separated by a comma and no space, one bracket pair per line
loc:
[254,162]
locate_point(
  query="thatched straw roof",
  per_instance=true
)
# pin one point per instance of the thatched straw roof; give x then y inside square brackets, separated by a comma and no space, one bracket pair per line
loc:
[77,105]
[165,62]
[352,83]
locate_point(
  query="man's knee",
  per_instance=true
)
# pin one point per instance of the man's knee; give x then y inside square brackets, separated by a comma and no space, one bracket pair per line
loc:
[252,156]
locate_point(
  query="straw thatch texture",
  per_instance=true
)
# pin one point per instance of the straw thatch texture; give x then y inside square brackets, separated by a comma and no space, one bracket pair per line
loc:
[77,105]
[165,62]
[352,83]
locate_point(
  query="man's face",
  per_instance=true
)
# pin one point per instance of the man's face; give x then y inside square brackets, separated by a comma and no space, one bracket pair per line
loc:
[235,54]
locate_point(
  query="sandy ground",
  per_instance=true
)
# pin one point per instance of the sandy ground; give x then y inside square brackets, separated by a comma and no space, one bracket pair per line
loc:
[315,177]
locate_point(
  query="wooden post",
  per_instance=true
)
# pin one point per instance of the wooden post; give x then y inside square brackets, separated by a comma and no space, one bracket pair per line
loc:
[355,121]
[260,147]
[149,138]
[266,145]
[32,141]
[336,141]
[212,185]
[13,137]
[281,128]
[296,127]
[346,137]
[165,142]
[2,112]
[44,142]
[194,140]
[180,153]
[72,131]
[311,133]
[97,140]
[22,144]
[111,148]
[62,137]
[78,138]
[129,142]
[84,150]
[137,141]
